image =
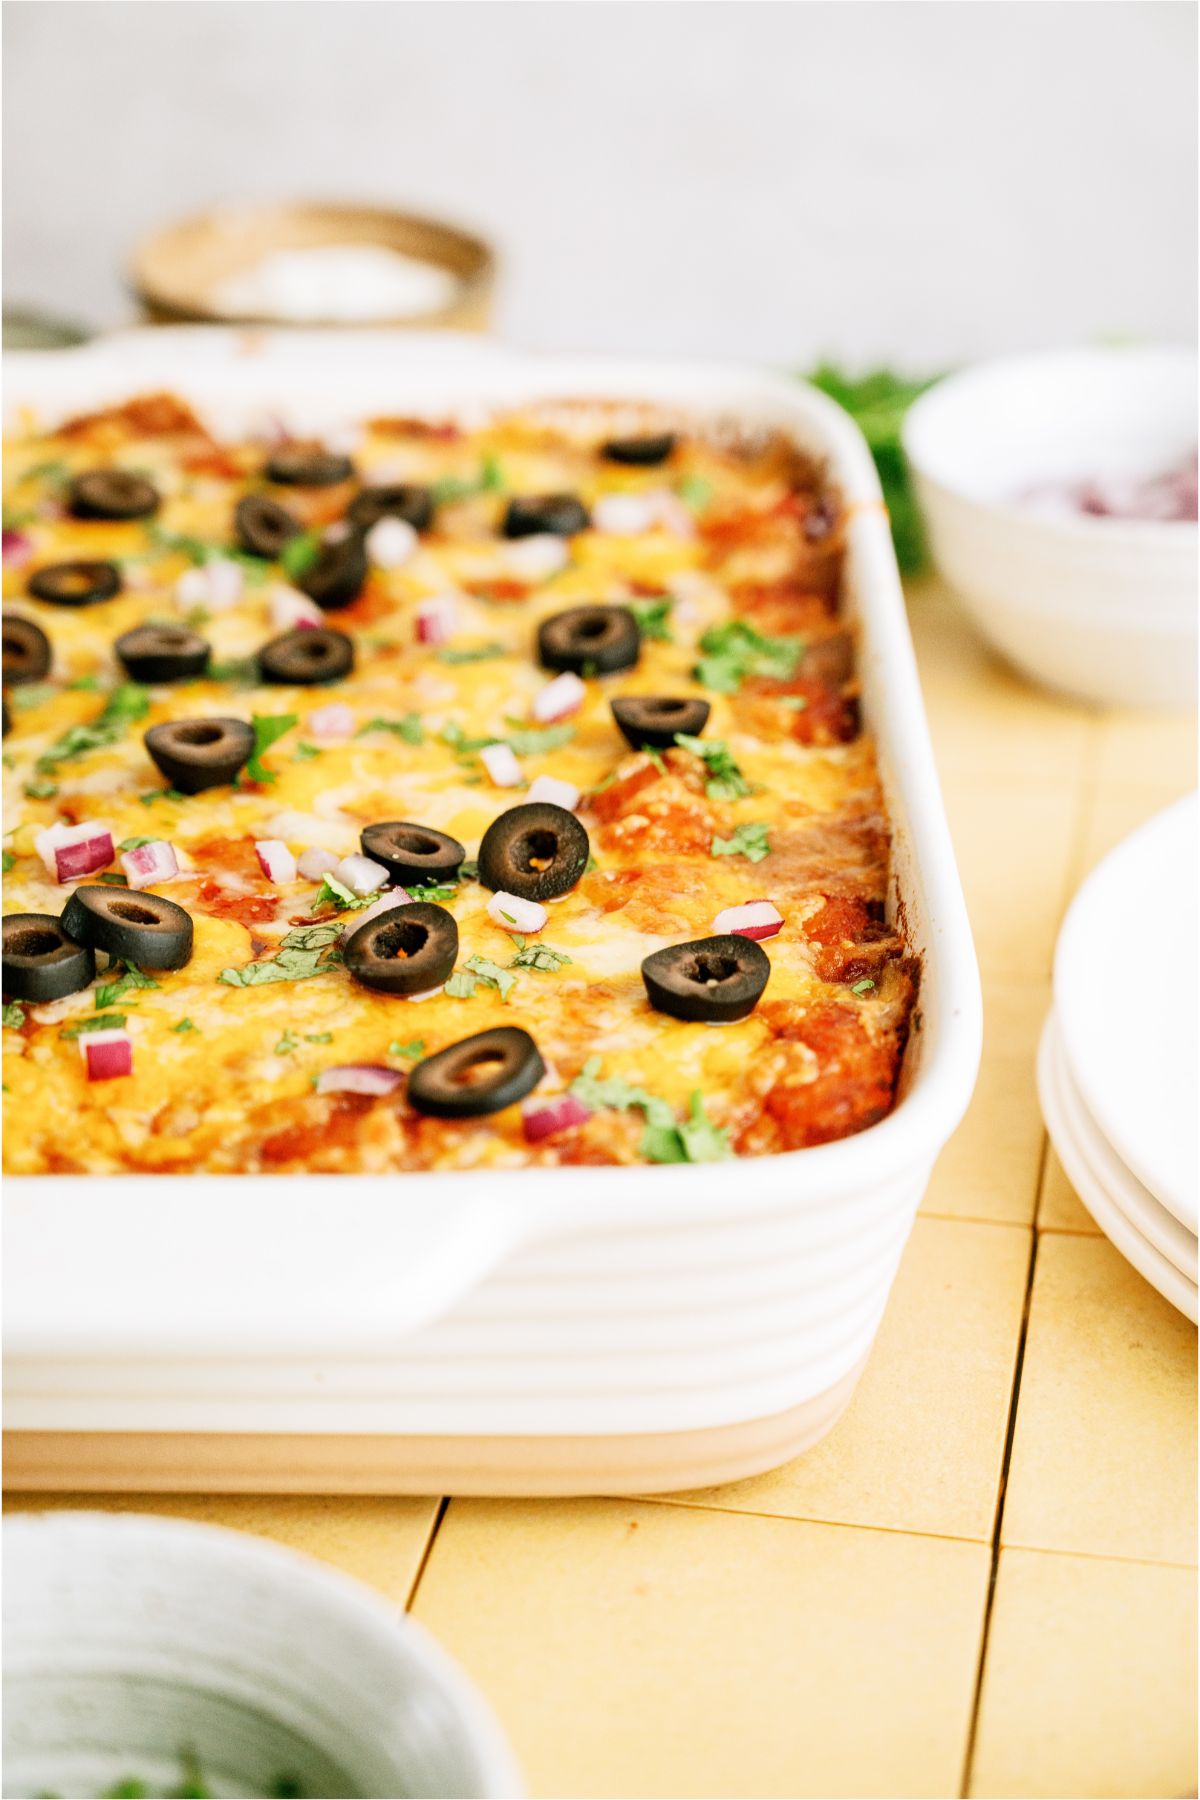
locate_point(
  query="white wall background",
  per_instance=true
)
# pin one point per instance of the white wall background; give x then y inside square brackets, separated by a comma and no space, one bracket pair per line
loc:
[922,182]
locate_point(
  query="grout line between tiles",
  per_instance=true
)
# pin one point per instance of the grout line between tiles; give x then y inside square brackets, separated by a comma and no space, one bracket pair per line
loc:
[729,1512]
[427,1552]
[1002,1491]
[1102,1556]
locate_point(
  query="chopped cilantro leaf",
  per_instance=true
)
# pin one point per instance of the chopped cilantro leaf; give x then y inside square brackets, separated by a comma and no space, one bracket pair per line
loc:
[300,553]
[539,956]
[266,732]
[134,843]
[864,986]
[409,728]
[472,654]
[534,740]
[161,794]
[333,893]
[695,491]
[318,1037]
[665,1139]
[7,861]
[111,1021]
[126,704]
[725,779]
[654,617]
[460,986]
[492,975]
[40,789]
[12,1015]
[750,841]
[183,1025]
[308,950]
[305,752]
[734,650]
[127,980]
[413,1050]
[287,1043]
[434,892]
[34,693]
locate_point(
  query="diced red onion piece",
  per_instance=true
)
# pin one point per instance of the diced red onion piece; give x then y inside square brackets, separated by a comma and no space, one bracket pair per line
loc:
[275,859]
[72,851]
[754,919]
[314,863]
[391,543]
[149,864]
[625,515]
[359,1078]
[360,874]
[539,557]
[293,611]
[559,698]
[436,618]
[331,724]
[18,548]
[515,914]
[548,789]
[385,902]
[106,1054]
[542,1118]
[502,765]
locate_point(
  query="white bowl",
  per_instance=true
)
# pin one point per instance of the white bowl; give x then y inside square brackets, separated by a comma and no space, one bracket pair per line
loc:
[1102,608]
[129,1639]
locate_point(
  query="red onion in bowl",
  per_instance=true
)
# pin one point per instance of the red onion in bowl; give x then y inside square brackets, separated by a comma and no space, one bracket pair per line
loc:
[373,1079]
[542,1118]
[753,919]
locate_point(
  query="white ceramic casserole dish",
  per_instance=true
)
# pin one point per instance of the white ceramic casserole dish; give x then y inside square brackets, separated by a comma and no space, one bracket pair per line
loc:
[534,1331]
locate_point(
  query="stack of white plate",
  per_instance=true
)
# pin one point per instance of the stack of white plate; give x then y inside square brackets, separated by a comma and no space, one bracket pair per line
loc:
[1118,1068]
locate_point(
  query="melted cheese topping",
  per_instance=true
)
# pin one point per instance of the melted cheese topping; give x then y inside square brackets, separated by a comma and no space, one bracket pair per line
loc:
[730,529]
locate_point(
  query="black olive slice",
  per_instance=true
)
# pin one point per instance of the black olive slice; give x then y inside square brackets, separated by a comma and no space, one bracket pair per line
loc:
[140,928]
[640,452]
[413,853]
[162,653]
[26,651]
[306,657]
[263,526]
[111,494]
[41,962]
[404,501]
[337,575]
[75,583]
[653,719]
[478,1075]
[536,852]
[710,981]
[195,754]
[307,465]
[404,950]
[530,515]
[589,640]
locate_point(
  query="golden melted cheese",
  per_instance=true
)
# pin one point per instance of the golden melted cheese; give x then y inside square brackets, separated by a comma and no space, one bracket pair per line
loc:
[746,531]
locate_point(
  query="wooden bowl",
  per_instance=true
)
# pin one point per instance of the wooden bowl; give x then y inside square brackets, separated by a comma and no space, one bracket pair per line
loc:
[176,272]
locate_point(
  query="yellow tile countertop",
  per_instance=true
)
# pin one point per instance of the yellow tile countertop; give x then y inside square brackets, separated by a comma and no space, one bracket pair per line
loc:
[983,1581]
